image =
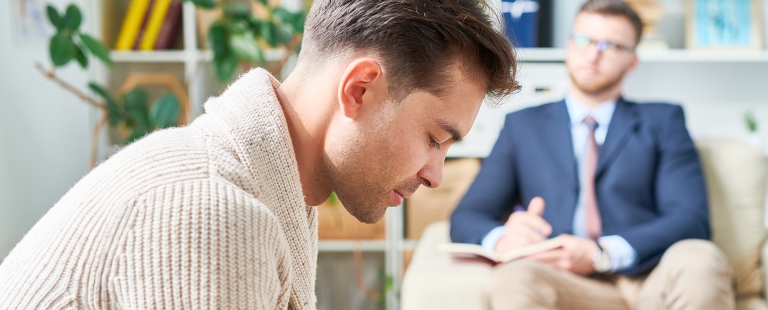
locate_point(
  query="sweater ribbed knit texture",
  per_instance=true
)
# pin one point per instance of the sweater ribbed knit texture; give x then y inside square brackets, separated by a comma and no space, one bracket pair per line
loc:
[207,216]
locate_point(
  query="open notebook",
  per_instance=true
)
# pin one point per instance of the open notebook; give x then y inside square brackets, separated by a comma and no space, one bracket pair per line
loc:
[469,250]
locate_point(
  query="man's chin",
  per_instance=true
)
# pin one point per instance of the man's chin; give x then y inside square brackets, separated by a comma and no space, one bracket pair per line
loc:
[369,216]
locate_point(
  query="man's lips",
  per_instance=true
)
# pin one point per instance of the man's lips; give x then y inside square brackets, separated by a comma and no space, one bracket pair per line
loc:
[404,194]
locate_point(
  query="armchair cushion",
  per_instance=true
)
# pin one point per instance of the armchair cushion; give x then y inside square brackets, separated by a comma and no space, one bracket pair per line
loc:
[736,174]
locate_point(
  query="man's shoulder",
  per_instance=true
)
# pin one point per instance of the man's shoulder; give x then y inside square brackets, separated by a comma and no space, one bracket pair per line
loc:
[655,112]
[181,146]
[535,113]
[653,106]
[164,157]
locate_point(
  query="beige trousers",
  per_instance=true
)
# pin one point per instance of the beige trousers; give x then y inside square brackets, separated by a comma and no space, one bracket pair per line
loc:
[692,274]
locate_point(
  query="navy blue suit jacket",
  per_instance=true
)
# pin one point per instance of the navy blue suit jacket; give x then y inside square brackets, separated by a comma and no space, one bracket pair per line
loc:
[649,184]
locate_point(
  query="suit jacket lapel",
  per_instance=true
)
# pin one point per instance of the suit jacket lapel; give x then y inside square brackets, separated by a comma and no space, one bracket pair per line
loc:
[624,122]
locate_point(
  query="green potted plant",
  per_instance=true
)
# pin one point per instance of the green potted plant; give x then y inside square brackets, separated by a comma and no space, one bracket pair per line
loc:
[239,37]
[132,111]
[753,135]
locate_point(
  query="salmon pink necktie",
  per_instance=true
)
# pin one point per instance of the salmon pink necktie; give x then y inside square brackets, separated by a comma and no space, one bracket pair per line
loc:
[594,225]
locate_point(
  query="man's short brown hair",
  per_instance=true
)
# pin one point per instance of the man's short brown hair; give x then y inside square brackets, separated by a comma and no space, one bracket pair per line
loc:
[615,8]
[418,41]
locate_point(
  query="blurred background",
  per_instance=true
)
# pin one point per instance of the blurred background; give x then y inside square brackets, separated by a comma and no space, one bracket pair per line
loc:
[78,84]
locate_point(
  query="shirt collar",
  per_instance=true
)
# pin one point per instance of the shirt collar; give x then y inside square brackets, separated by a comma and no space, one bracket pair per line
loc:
[577,111]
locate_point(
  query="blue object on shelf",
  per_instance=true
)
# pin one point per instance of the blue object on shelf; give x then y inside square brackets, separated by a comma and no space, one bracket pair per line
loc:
[520,17]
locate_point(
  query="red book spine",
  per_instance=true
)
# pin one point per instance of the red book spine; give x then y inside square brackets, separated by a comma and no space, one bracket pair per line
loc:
[170,27]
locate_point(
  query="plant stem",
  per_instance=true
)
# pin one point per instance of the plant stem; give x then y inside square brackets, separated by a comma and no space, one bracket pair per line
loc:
[357,255]
[52,75]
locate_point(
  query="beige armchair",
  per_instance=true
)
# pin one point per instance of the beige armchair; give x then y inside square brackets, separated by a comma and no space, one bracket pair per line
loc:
[737,176]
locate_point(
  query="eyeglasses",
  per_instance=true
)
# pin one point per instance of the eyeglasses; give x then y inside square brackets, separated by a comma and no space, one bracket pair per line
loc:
[583,41]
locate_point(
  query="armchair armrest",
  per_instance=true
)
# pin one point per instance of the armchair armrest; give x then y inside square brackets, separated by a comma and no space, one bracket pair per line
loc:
[435,280]
[764,265]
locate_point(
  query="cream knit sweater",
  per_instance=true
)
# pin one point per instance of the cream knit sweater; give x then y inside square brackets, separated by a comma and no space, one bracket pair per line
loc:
[208,216]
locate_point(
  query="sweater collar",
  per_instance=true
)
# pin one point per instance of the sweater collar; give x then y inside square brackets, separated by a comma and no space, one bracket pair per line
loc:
[250,118]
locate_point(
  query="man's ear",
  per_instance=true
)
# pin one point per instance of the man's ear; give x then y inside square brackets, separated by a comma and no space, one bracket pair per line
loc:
[362,86]
[634,62]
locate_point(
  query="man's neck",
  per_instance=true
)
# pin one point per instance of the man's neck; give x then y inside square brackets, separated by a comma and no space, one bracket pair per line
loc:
[307,125]
[591,100]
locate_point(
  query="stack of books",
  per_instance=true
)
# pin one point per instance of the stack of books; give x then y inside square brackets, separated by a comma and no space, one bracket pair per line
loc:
[150,25]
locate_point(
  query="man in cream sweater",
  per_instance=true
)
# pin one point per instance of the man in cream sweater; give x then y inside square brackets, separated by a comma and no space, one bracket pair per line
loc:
[218,214]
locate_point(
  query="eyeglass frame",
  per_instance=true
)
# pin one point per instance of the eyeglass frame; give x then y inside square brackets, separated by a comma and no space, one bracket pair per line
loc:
[602,45]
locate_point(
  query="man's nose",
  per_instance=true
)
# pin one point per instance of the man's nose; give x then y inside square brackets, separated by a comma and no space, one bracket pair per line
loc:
[432,174]
[594,51]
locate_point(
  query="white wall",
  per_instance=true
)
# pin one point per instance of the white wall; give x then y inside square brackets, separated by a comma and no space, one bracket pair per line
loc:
[44,132]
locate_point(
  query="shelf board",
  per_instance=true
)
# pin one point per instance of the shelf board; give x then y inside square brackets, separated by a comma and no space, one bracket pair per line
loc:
[269,55]
[540,54]
[351,245]
[179,56]
[410,245]
[672,55]
[555,55]
[149,56]
[364,245]
[704,56]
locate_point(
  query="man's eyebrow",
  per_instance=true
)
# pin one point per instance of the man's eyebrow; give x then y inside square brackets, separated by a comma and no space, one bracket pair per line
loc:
[455,135]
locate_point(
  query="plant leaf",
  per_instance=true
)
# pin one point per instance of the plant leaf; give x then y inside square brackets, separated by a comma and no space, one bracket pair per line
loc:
[206,4]
[135,102]
[333,199]
[225,66]
[54,17]
[255,25]
[165,111]
[97,48]
[62,49]
[285,16]
[238,10]
[289,23]
[749,118]
[80,57]
[73,18]
[114,113]
[136,134]
[238,25]
[264,2]
[298,22]
[217,38]
[243,46]
[135,99]
[271,33]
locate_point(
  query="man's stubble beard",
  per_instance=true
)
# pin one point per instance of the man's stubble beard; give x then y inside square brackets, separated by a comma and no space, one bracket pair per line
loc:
[359,179]
[599,86]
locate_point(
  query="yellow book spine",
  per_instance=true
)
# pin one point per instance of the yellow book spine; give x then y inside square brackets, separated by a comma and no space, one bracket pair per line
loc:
[131,25]
[154,24]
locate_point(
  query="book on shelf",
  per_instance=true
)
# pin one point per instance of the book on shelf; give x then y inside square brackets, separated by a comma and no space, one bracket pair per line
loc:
[143,27]
[520,19]
[170,27]
[153,24]
[150,25]
[132,24]
[474,250]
